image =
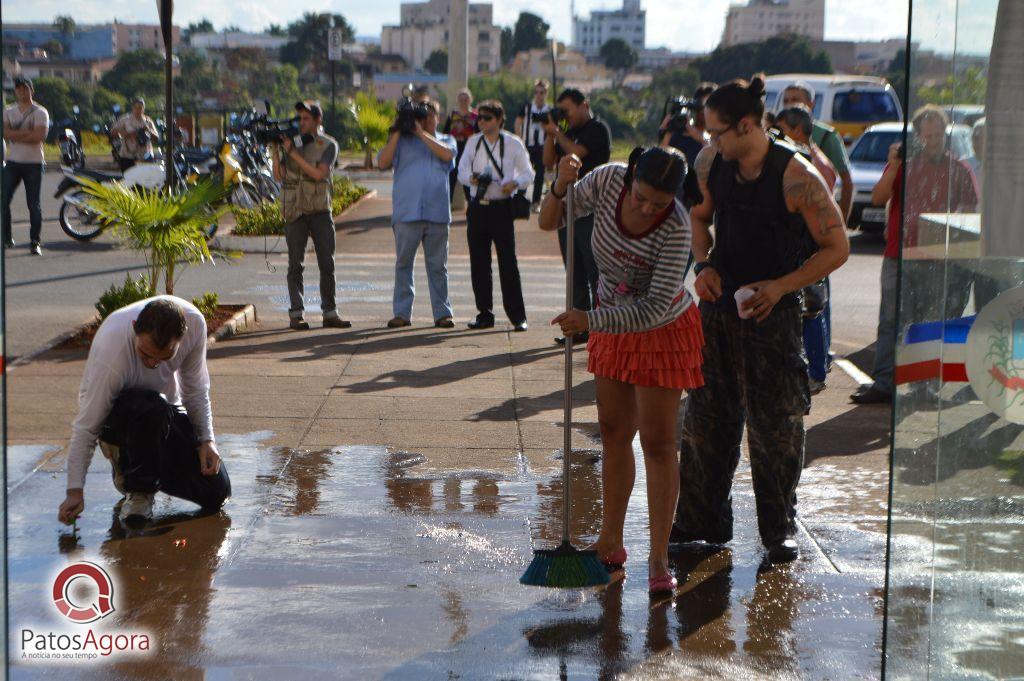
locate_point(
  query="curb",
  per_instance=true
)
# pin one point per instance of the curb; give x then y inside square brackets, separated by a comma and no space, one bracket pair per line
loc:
[243,320]
[275,243]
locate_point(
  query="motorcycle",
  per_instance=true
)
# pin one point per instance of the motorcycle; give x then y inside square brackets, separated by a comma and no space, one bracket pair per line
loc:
[69,139]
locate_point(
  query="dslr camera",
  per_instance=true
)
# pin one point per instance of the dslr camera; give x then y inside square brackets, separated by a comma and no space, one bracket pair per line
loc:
[409,112]
[555,115]
[274,131]
[483,181]
[683,113]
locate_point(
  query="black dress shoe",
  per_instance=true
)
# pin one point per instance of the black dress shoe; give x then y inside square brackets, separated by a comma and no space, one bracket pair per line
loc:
[9,242]
[479,323]
[521,326]
[871,395]
[785,551]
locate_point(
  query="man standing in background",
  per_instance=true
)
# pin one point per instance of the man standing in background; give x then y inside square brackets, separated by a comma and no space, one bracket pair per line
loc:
[25,127]
[530,127]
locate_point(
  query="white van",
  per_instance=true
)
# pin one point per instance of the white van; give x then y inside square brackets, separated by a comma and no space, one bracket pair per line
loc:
[848,103]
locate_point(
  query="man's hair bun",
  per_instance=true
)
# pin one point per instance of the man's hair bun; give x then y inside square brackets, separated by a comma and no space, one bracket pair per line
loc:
[756,87]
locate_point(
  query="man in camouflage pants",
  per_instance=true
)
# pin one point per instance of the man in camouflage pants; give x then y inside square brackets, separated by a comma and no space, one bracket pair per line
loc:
[766,201]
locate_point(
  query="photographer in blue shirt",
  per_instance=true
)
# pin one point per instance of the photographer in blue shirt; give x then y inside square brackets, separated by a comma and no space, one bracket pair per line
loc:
[421,212]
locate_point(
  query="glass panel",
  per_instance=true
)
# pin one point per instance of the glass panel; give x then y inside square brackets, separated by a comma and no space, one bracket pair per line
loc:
[955,605]
[864,107]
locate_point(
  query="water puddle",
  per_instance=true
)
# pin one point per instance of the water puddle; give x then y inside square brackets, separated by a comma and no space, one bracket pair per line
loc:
[352,562]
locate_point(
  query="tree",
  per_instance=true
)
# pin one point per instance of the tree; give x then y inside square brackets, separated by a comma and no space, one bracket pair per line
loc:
[968,87]
[204,25]
[308,44]
[276,30]
[137,74]
[779,54]
[530,32]
[64,24]
[231,28]
[507,45]
[196,78]
[55,95]
[512,91]
[373,121]
[437,62]
[103,101]
[53,47]
[619,55]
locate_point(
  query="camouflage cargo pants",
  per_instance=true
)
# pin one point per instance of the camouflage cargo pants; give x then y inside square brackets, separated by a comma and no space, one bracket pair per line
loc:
[754,374]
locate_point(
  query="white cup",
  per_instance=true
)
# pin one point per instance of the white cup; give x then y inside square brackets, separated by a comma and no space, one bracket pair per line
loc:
[742,295]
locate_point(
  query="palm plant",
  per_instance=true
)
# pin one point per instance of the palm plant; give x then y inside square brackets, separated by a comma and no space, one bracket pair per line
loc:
[373,119]
[168,228]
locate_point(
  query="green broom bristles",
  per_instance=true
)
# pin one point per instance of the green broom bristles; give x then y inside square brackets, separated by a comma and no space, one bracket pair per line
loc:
[565,568]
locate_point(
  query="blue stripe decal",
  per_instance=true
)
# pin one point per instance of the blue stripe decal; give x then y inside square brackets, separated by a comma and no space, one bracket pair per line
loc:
[956,331]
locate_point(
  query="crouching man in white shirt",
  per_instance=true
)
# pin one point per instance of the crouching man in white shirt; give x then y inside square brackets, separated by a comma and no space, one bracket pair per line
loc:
[145,396]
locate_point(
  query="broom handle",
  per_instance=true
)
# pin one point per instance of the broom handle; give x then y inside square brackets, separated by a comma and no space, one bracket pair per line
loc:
[570,225]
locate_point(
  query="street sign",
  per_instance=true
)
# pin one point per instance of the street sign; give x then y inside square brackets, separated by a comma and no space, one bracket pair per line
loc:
[334,40]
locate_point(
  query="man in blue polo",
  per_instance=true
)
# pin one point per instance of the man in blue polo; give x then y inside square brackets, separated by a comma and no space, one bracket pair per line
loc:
[420,212]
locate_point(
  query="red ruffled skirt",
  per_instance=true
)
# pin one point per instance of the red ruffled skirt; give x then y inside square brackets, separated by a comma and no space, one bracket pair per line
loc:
[667,357]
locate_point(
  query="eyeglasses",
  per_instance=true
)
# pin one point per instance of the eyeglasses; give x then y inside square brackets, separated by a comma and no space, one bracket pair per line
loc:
[486,117]
[715,134]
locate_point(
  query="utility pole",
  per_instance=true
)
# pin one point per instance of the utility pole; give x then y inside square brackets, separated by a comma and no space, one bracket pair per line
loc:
[334,54]
[166,8]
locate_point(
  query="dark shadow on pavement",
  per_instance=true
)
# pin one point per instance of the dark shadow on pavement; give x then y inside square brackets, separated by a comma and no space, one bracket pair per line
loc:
[855,431]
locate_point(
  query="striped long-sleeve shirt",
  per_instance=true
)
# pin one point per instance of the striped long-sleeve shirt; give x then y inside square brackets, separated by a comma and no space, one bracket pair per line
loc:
[641,276]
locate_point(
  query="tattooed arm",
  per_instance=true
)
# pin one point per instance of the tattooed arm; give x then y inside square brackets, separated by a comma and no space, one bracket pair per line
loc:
[708,284]
[806,194]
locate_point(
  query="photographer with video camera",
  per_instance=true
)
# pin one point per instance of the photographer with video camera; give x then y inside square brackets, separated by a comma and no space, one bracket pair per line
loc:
[587,137]
[135,132]
[495,166]
[530,127]
[420,206]
[683,124]
[305,173]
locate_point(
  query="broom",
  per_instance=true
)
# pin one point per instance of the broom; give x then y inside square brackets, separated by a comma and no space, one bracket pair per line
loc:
[566,567]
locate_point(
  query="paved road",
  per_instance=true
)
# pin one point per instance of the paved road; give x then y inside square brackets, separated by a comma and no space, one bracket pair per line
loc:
[49,295]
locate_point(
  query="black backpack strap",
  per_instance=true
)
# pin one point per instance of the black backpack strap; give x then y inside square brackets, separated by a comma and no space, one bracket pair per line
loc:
[720,181]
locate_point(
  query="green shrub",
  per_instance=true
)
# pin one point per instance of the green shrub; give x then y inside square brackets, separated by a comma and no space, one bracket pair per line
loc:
[207,304]
[116,297]
[266,218]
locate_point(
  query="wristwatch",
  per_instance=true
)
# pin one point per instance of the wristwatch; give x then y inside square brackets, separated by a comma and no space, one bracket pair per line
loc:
[700,266]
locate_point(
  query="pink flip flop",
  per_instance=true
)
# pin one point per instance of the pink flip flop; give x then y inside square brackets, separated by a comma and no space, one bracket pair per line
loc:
[662,585]
[615,560]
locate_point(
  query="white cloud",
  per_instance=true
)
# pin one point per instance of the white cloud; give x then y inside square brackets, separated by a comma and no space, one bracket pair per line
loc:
[691,25]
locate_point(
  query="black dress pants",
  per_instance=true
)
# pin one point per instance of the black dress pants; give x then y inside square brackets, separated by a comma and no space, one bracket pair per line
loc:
[492,223]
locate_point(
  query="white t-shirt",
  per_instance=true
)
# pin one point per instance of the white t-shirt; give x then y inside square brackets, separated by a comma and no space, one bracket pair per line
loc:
[114,365]
[533,133]
[30,119]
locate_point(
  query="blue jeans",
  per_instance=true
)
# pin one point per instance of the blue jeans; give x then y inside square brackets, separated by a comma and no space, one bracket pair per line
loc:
[885,346]
[32,175]
[434,237]
[818,340]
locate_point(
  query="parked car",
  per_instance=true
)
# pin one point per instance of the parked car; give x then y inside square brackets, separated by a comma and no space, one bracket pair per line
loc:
[848,103]
[868,157]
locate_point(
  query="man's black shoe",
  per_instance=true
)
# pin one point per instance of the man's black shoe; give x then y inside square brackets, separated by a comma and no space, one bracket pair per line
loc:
[871,395]
[578,339]
[479,323]
[9,242]
[785,551]
[521,326]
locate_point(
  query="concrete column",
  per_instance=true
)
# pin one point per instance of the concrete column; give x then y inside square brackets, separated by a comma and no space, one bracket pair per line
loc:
[458,49]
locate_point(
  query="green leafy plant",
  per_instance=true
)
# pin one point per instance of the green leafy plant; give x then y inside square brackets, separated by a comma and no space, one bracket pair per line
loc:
[266,218]
[116,297]
[167,227]
[373,121]
[207,304]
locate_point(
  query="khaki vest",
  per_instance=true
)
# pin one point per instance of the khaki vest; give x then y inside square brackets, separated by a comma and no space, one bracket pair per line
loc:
[302,195]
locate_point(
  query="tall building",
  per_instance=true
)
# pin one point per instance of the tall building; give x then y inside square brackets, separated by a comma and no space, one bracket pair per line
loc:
[101,41]
[628,23]
[423,28]
[762,19]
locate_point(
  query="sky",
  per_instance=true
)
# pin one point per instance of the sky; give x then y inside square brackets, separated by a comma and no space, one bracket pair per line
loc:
[683,25]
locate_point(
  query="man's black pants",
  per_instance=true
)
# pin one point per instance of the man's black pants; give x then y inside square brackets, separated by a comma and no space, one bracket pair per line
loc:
[754,374]
[32,175]
[159,450]
[487,224]
[584,279]
[537,161]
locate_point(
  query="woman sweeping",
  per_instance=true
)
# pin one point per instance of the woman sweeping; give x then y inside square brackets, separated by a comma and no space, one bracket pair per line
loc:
[645,335]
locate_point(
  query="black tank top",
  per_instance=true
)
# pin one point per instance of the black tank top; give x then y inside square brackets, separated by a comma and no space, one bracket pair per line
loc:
[756,236]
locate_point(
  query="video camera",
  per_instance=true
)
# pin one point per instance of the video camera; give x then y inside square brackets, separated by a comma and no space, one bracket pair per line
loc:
[683,112]
[409,112]
[556,115]
[274,131]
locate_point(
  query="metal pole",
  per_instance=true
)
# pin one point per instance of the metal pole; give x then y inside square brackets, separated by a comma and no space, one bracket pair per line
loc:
[334,112]
[570,216]
[169,125]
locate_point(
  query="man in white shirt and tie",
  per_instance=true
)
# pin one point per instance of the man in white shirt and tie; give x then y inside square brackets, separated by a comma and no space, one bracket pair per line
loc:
[495,166]
[145,395]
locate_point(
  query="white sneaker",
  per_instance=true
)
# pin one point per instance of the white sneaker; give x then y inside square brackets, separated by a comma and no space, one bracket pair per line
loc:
[137,508]
[113,454]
